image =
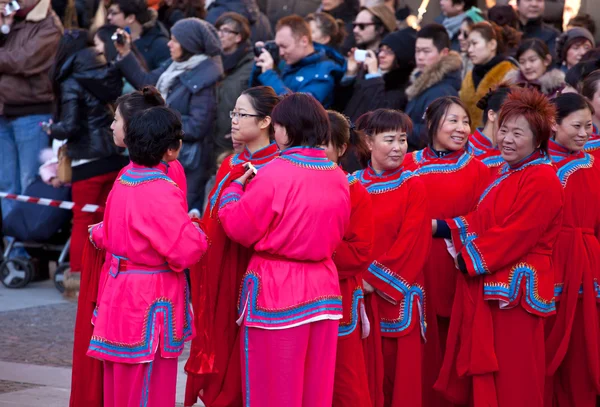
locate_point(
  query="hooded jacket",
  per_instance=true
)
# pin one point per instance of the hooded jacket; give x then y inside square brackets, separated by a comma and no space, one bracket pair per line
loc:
[26,55]
[440,79]
[88,87]
[152,44]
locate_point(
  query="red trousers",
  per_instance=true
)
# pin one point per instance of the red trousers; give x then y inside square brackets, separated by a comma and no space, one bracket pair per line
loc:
[571,385]
[142,384]
[94,191]
[402,367]
[351,386]
[291,367]
[519,345]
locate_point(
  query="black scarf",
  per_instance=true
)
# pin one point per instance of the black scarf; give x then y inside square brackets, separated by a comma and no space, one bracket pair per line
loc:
[479,71]
[230,61]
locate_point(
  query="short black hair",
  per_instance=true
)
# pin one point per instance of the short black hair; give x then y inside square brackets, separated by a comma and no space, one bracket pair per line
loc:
[139,8]
[384,120]
[493,100]
[304,119]
[436,112]
[437,33]
[467,4]
[151,133]
[133,103]
[568,103]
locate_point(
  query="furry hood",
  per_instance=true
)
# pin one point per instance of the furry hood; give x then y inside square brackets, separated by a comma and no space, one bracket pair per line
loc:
[550,82]
[433,74]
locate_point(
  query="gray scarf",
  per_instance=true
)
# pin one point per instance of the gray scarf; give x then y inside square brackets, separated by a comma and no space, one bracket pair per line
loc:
[174,70]
[452,24]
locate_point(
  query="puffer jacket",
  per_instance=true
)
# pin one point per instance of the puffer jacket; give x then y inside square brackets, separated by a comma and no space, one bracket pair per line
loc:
[88,87]
[316,74]
[26,55]
[260,26]
[440,79]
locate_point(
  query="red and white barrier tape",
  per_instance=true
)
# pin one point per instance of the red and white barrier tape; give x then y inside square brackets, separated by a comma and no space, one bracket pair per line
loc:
[51,202]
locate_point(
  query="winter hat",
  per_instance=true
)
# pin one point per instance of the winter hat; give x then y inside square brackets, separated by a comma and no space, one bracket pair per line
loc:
[403,44]
[197,36]
[566,39]
[386,16]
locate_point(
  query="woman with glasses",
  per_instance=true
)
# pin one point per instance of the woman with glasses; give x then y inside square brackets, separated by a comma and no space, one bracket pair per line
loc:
[380,81]
[290,301]
[234,33]
[535,68]
[214,365]
[188,84]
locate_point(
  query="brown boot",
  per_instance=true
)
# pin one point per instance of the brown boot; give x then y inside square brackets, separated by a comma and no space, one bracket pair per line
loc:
[71,283]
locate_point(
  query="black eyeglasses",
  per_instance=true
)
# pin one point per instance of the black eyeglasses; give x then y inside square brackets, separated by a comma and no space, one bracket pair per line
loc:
[238,115]
[362,26]
[227,31]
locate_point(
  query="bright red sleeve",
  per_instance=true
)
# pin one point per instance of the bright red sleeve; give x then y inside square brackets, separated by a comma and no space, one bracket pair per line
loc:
[537,205]
[247,215]
[395,272]
[352,255]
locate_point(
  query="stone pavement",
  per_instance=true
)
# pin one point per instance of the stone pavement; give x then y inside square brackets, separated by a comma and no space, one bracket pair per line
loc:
[36,341]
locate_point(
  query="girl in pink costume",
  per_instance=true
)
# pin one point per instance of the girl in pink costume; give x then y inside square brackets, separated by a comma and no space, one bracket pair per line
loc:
[144,317]
[294,213]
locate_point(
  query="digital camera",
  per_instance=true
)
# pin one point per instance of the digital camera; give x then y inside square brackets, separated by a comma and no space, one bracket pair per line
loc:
[271,48]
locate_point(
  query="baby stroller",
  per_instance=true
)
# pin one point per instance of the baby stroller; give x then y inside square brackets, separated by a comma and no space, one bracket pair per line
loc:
[44,234]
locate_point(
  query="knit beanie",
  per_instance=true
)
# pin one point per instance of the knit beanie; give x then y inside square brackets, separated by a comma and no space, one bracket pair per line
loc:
[403,44]
[197,36]
[566,39]
[386,16]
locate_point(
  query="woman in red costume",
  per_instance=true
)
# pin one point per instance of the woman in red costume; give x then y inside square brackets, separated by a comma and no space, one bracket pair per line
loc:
[214,364]
[86,376]
[395,277]
[351,259]
[454,180]
[591,90]
[482,143]
[505,285]
[572,336]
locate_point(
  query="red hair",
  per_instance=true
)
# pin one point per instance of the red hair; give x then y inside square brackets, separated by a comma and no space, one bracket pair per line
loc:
[535,108]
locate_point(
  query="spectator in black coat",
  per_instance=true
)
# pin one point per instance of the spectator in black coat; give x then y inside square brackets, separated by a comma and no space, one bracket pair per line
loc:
[188,83]
[259,23]
[85,89]
[149,36]
[532,26]
[382,79]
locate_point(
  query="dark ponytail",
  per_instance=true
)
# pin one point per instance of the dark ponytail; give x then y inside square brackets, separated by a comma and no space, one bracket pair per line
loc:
[133,103]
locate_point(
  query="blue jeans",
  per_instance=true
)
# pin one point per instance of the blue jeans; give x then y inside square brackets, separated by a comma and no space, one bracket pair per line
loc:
[21,141]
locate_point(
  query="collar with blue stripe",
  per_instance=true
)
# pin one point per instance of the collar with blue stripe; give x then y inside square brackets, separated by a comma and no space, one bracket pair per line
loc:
[308,157]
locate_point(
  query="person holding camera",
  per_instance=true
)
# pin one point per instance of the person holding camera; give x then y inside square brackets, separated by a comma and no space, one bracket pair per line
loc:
[29,37]
[147,33]
[188,83]
[302,69]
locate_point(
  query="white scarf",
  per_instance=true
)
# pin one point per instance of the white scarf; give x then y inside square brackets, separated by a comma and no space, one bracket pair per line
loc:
[174,70]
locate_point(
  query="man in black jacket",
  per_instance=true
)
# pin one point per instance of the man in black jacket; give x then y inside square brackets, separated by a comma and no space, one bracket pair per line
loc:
[530,16]
[149,36]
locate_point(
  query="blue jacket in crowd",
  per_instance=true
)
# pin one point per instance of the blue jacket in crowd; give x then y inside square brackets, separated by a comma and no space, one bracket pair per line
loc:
[316,74]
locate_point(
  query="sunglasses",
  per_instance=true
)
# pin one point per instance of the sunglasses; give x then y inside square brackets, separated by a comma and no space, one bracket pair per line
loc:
[362,26]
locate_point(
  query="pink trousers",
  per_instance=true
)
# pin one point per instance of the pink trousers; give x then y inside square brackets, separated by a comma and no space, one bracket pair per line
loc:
[140,385]
[292,367]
